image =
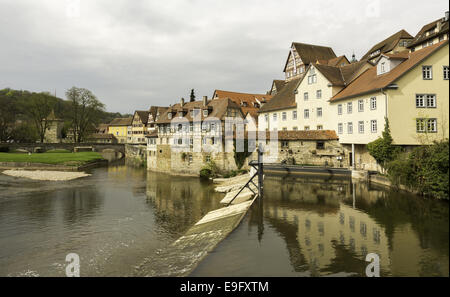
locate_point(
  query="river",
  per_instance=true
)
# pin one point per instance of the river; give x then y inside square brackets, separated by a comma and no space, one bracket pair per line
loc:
[303,226]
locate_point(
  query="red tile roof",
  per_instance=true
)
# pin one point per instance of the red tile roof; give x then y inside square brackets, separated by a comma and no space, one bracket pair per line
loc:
[370,82]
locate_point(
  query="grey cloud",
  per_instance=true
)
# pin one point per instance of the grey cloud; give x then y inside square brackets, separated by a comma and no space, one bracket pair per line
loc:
[133,54]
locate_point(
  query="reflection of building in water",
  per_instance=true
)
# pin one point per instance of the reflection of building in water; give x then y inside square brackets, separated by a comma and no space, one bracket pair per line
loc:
[323,222]
[329,226]
[180,202]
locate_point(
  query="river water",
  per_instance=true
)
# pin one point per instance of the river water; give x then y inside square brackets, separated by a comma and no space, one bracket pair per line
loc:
[303,226]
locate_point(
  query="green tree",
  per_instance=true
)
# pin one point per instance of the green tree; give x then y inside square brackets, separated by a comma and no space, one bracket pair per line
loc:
[192,95]
[85,112]
[382,148]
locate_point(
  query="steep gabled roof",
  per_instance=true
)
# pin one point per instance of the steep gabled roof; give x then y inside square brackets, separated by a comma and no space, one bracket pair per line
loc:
[333,74]
[279,84]
[242,99]
[143,115]
[388,44]
[310,53]
[121,122]
[283,99]
[335,61]
[370,82]
[217,107]
[421,35]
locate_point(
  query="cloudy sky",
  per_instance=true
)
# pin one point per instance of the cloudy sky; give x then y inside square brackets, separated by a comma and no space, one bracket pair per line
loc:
[136,53]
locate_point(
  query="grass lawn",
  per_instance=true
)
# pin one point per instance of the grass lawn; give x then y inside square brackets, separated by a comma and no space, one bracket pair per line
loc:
[52,158]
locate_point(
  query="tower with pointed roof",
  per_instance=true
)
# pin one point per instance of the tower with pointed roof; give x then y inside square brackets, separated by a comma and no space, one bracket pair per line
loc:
[53,134]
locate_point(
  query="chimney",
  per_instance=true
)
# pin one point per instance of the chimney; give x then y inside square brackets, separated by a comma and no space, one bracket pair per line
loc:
[182,102]
[205,100]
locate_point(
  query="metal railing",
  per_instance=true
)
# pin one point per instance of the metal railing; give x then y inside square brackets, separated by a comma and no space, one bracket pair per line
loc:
[259,166]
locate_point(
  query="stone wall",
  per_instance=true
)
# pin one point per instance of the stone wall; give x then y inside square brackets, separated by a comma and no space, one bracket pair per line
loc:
[164,159]
[136,154]
[306,152]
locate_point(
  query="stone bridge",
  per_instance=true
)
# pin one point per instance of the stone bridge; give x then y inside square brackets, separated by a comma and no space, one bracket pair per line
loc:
[111,152]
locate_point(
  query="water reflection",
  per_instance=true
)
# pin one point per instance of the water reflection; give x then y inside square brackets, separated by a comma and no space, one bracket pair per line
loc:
[113,219]
[328,226]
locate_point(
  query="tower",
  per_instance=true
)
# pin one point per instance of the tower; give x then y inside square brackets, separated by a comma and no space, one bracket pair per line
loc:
[53,132]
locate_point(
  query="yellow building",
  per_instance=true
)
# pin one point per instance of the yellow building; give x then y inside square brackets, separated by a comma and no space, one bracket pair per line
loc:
[119,127]
[410,89]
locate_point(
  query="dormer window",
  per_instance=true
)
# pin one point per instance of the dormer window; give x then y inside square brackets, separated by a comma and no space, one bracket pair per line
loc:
[169,115]
[205,112]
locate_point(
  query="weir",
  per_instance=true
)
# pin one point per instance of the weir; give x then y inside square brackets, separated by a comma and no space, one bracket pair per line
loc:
[182,256]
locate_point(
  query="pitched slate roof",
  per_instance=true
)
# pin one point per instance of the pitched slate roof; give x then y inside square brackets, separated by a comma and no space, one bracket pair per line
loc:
[283,99]
[333,74]
[335,61]
[217,109]
[121,122]
[370,82]
[279,84]
[155,109]
[388,44]
[310,53]
[243,98]
[143,115]
[421,35]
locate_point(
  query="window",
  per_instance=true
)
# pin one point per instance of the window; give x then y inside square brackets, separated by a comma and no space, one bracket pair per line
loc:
[266,118]
[425,101]
[427,72]
[319,94]
[373,103]
[284,128]
[319,127]
[306,113]
[383,67]
[420,125]
[350,128]
[169,115]
[306,128]
[339,109]
[285,144]
[361,127]
[349,107]
[295,128]
[205,113]
[431,101]
[432,125]
[305,96]
[373,126]
[312,78]
[283,116]
[294,115]
[340,128]
[320,145]
[274,117]
[446,72]
[426,125]
[319,112]
[361,105]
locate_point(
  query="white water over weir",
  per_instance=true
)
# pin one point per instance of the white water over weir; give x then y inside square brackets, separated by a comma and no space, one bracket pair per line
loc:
[183,256]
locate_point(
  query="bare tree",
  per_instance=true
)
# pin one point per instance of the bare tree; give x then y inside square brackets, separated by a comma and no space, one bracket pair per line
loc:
[85,110]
